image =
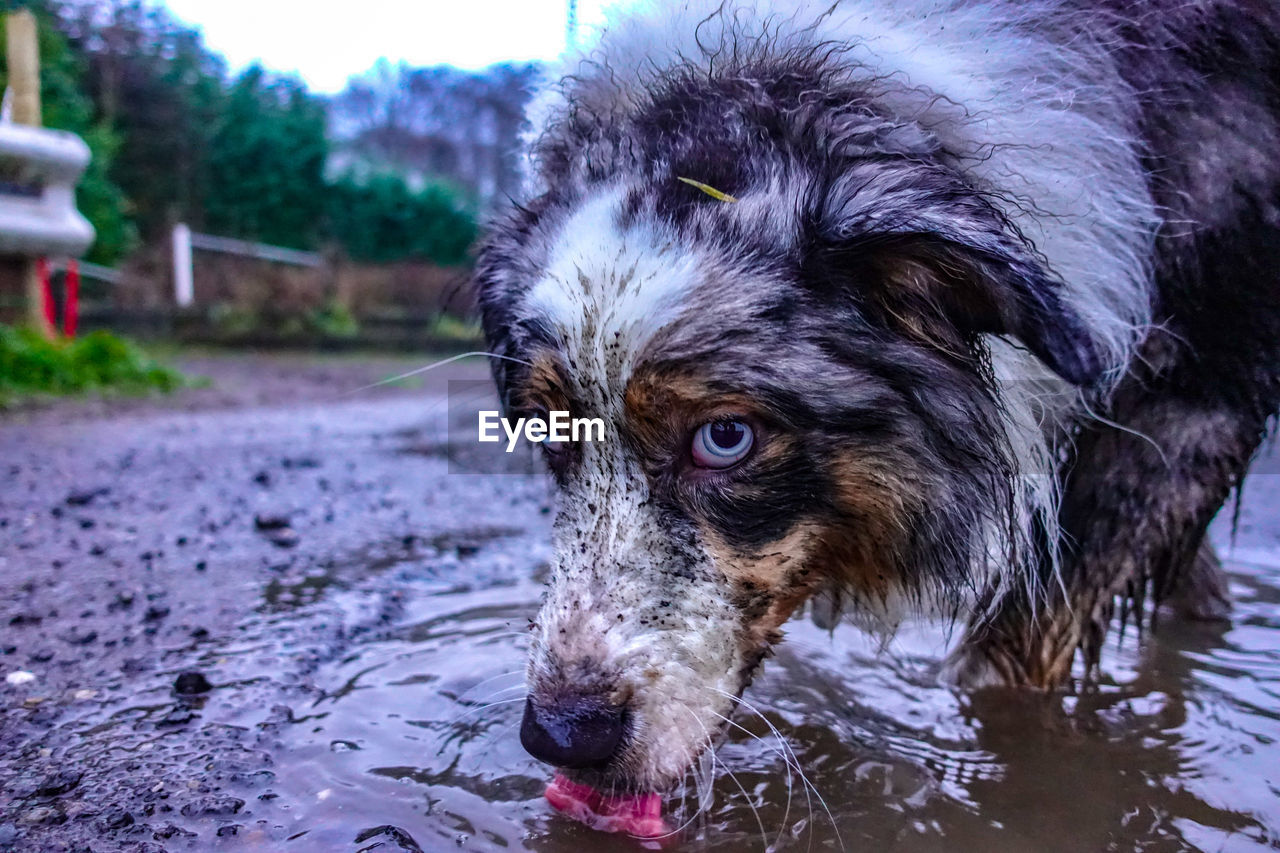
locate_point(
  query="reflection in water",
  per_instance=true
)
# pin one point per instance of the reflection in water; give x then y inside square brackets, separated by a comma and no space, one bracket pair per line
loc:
[1176,750]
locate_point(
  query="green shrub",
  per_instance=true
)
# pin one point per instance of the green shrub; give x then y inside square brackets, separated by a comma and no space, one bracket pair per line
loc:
[450,329]
[32,365]
[327,321]
[381,218]
[233,320]
[333,320]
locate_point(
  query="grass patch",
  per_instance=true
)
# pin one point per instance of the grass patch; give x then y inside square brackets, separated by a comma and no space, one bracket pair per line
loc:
[31,366]
[447,328]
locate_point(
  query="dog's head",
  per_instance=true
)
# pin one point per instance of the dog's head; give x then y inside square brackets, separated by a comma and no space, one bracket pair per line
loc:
[794,373]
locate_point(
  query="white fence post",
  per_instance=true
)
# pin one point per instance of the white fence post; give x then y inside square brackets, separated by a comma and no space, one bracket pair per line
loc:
[184,241]
[183,285]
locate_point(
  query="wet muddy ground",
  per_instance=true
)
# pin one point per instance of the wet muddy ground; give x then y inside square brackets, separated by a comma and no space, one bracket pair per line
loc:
[271,615]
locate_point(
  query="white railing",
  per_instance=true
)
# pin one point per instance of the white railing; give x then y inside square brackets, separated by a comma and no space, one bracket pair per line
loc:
[97,272]
[185,240]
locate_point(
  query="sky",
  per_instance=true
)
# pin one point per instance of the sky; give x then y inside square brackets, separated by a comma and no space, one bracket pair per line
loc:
[327,42]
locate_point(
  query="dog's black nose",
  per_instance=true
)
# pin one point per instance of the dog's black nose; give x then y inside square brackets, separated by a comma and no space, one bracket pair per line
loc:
[580,731]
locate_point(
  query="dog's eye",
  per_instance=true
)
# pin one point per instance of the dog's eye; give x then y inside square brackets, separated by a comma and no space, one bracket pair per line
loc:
[721,444]
[552,447]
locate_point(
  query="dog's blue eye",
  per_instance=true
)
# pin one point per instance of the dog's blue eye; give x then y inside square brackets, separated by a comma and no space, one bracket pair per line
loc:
[721,444]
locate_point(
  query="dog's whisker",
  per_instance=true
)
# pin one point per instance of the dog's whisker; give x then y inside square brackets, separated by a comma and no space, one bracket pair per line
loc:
[707,738]
[705,779]
[683,794]
[786,814]
[697,773]
[697,777]
[496,738]
[795,762]
[433,366]
[493,694]
[473,701]
[480,708]
[461,697]
[500,634]
[733,777]
[794,759]
[703,776]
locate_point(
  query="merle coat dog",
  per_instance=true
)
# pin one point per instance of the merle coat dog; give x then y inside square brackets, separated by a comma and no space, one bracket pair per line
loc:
[962,308]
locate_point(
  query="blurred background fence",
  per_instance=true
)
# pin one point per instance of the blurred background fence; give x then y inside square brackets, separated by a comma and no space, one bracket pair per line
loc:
[338,303]
[385,183]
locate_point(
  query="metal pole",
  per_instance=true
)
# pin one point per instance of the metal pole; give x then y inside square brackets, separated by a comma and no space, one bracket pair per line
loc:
[571,26]
[184,292]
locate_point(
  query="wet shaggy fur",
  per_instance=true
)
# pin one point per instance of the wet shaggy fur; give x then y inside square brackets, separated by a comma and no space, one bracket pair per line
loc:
[996,292]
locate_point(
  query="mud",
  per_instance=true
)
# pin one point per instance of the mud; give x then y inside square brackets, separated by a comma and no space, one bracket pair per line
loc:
[270,615]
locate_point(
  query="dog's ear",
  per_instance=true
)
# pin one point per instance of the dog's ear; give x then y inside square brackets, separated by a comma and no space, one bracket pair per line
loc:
[935,259]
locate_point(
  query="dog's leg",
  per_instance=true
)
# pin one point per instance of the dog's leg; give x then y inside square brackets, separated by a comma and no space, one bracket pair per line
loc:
[1137,501]
[1180,430]
[1199,592]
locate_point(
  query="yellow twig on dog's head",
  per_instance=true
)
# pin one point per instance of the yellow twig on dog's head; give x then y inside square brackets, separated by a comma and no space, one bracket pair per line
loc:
[708,189]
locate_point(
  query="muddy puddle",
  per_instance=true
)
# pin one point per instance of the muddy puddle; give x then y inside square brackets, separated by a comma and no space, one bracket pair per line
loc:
[416,737]
[365,682]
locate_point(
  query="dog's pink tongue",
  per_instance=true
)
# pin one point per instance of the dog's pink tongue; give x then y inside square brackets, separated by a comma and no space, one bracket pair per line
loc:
[635,814]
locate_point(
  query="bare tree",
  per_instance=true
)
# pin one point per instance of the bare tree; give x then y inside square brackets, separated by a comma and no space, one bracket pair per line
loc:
[436,123]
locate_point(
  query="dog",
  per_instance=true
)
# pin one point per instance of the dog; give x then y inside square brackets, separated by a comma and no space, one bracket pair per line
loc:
[964,309]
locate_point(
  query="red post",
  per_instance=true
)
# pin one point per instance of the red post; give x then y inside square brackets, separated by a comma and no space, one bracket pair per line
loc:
[46,293]
[71,305]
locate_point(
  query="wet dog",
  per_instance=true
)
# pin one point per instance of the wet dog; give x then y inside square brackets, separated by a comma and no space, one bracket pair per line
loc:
[969,309]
